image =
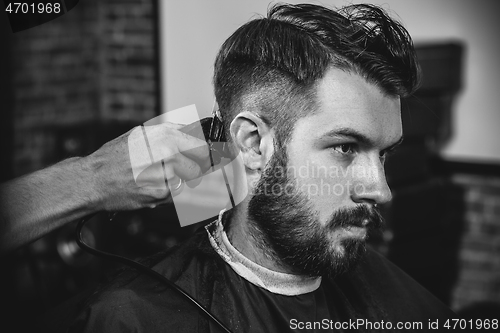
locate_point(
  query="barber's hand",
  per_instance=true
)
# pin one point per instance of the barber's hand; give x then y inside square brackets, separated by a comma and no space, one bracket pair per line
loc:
[184,157]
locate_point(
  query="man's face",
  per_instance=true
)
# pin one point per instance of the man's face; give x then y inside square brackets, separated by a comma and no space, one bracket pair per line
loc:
[314,204]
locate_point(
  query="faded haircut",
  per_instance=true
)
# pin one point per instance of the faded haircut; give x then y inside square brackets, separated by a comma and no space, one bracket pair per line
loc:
[270,65]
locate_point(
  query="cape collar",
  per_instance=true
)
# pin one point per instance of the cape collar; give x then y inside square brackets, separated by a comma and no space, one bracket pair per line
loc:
[272,281]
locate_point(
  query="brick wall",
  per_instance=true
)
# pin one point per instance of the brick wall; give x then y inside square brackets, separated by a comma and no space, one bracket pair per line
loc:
[94,64]
[90,73]
[479,255]
[55,75]
[128,82]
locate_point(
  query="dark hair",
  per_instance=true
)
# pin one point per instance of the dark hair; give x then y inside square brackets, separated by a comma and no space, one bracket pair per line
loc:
[272,63]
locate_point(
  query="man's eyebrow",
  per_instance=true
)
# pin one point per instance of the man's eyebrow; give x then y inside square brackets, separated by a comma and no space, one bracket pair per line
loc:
[350,133]
[359,137]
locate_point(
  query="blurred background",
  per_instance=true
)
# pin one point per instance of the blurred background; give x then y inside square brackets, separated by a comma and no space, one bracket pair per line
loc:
[76,82]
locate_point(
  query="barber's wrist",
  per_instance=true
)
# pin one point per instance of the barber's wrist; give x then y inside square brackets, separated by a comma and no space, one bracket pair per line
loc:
[91,186]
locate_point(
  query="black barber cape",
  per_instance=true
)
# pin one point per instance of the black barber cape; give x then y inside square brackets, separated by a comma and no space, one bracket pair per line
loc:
[374,295]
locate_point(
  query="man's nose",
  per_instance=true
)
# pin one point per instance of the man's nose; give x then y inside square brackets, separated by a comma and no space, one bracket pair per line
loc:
[370,183]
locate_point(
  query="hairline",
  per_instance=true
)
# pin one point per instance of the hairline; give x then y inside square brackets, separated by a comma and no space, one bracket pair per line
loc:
[308,99]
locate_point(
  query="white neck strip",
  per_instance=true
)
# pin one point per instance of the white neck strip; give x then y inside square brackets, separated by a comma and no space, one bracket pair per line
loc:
[275,282]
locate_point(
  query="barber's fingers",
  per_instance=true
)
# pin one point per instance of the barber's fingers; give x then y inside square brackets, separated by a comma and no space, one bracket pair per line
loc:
[161,173]
[194,149]
[183,155]
[192,145]
[181,170]
[175,185]
[185,167]
[166,141]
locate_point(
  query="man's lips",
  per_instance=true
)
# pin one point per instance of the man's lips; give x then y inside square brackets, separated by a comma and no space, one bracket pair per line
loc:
[363,217]
[360,223]
[353,231]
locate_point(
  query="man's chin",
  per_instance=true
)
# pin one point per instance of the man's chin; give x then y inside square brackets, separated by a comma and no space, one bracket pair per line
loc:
[346,257]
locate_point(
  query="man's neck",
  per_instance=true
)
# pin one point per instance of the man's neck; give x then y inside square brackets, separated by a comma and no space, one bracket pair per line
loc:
[247,241]
[249,262]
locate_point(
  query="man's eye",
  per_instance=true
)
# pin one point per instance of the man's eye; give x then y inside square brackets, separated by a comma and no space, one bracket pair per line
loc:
[344,149]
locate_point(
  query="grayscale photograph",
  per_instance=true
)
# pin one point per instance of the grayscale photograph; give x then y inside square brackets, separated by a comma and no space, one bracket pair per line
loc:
[249,166]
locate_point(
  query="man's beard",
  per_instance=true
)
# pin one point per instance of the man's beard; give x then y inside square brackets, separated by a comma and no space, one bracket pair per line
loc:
[285,227]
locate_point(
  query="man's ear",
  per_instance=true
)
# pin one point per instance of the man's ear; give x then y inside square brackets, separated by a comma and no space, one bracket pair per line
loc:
[254,140]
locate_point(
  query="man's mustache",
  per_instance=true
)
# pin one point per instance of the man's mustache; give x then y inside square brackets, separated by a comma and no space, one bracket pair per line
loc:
[355,217]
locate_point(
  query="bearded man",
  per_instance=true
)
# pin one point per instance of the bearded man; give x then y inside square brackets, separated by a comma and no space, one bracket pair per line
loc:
[306,88]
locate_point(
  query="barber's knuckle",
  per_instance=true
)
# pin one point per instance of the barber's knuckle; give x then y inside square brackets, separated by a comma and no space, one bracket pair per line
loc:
[169,157]
[167,131]
[168,169]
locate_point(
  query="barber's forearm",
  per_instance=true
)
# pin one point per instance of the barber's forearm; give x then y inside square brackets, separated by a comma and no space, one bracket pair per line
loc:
[35,204]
